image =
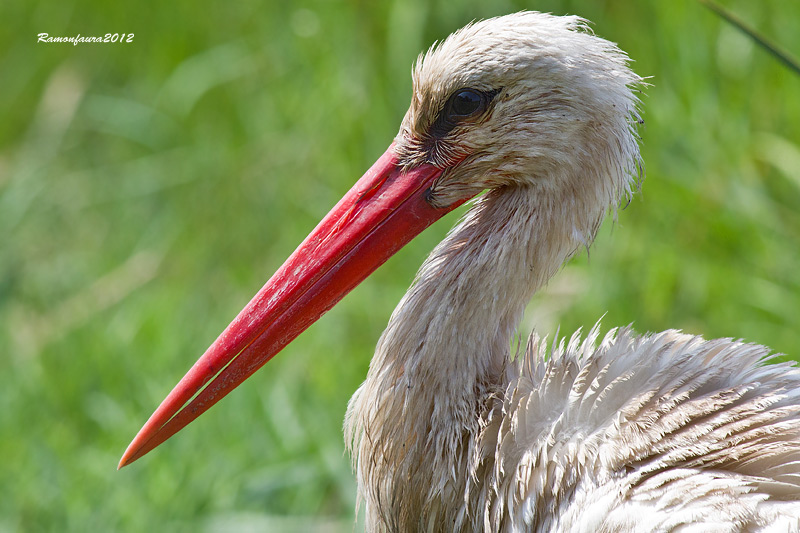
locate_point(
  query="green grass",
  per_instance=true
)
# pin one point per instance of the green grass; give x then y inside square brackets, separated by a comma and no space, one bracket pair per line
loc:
[147,190]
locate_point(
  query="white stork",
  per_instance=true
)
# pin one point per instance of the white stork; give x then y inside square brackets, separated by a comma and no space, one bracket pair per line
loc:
[452,432]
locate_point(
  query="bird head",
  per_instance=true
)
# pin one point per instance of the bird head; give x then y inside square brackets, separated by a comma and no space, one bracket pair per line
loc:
[528,99]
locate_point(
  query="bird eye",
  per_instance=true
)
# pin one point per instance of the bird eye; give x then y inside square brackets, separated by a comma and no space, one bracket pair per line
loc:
[465,103]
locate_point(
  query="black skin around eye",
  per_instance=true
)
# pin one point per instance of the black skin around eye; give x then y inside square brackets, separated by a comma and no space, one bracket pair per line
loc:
[462,105]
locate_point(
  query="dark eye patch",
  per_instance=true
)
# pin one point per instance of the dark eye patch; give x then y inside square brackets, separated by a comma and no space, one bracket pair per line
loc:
[462,105]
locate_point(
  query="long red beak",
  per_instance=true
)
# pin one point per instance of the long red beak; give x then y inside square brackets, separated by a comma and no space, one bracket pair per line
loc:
[383,211]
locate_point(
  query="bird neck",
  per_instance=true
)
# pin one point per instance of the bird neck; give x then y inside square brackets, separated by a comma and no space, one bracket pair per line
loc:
[445,352]
[451,332]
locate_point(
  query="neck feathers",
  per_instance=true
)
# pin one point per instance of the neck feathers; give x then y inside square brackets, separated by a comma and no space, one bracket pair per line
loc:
[445,352]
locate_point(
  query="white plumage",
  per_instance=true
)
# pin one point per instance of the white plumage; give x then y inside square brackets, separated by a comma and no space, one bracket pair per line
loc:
[639,433]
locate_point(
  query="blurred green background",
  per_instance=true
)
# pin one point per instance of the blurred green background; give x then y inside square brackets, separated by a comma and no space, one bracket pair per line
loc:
[148,189]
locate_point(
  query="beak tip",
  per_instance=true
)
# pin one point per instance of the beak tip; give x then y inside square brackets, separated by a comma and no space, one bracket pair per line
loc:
[135,450]
[127,458]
